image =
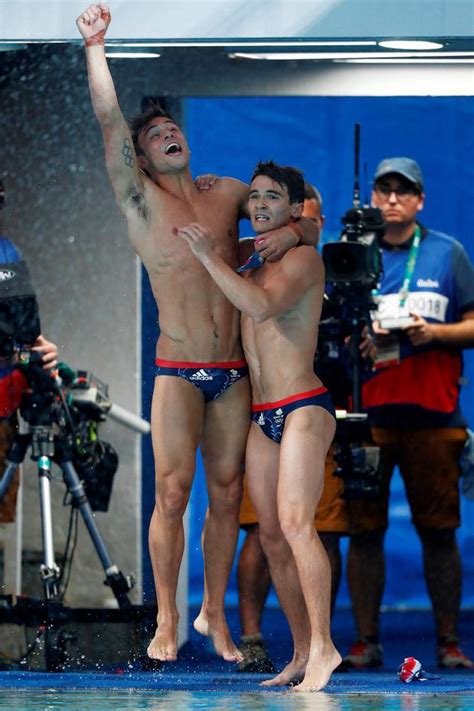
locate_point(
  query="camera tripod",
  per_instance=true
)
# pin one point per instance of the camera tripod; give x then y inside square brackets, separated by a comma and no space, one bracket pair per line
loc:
[47,446]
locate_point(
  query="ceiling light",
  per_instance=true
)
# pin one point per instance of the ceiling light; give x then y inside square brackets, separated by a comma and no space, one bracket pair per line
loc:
[415,45]
[132,55]
[119,45]
[285,56]
[331,56]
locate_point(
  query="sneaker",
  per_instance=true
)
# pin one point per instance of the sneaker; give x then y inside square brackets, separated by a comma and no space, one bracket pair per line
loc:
[450,656]
[363,655]
[255,659]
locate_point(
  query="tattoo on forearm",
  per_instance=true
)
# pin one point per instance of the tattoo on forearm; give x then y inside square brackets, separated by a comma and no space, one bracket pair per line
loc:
[127,152]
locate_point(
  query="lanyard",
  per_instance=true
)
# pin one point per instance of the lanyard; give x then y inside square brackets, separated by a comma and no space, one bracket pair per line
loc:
[410,267]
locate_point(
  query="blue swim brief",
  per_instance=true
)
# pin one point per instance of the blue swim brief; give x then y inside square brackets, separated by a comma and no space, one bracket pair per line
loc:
[212,379]
[271,416]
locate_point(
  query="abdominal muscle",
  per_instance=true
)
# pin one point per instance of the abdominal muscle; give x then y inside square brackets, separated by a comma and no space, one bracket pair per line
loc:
[280,365]
[197,323]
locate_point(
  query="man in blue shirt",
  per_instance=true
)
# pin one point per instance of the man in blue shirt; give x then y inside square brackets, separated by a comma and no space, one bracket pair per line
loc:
[12,382]
[425,317]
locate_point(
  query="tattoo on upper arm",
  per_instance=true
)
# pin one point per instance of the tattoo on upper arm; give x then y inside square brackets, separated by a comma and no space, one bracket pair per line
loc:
[128,153]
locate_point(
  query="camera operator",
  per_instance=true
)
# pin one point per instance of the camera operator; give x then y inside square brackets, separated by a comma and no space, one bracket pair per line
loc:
[425,318]
[13,383]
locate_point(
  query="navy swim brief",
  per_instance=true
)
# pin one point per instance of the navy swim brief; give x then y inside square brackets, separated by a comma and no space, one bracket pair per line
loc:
[271,416]
[212,379]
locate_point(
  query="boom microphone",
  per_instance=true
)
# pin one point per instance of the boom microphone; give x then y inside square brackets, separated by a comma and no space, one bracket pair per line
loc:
[128,419]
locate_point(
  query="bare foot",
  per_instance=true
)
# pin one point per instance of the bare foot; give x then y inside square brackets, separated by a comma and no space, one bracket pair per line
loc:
[321,664]
[164,645]
[292,674]
[220,636]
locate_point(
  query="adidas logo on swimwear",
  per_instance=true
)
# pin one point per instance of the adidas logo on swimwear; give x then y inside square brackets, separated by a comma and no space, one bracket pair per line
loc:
[261,419]
[200,375]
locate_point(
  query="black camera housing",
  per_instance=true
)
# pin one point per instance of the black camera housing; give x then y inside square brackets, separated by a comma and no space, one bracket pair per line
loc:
[356,258]
[19,313]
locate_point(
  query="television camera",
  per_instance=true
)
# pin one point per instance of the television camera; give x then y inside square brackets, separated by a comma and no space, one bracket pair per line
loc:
[61,413]
[353,270]
[72,405]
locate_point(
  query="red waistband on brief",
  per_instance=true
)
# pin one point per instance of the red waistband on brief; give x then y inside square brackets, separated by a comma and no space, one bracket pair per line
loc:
[192,364]
[287,400]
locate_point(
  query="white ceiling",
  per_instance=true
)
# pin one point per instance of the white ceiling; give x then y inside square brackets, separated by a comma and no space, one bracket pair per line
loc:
[243,19]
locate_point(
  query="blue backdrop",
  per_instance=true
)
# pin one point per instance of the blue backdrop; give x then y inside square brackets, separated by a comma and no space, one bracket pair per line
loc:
[228,136]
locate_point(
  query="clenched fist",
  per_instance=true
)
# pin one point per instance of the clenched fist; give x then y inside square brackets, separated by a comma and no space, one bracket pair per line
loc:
[93,23]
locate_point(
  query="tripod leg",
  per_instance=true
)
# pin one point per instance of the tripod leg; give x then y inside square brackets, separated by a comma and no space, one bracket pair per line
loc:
[15,456]
[114,578]
[50,572]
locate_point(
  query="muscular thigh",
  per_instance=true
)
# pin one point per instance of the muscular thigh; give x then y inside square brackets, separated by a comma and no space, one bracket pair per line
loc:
[429,466]
[224,434]
[176,422]
[306,439]
[261,472]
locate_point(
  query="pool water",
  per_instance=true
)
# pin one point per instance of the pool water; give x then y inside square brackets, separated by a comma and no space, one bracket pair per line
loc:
[159,700]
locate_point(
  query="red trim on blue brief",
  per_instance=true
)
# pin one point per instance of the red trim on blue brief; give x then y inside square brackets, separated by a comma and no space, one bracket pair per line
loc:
[191,364]
[287,400]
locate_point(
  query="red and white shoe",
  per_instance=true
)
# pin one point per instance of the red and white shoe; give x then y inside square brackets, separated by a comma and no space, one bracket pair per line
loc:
[363,655]
[450,656]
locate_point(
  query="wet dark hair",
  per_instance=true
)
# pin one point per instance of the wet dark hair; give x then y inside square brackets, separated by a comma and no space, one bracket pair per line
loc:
[138,122]
[291,178]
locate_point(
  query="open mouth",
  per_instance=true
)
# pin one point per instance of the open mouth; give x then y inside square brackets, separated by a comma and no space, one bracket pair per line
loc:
[259,217]
[173,149]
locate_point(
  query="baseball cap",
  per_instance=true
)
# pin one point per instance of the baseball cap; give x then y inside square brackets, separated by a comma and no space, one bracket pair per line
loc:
[406,167]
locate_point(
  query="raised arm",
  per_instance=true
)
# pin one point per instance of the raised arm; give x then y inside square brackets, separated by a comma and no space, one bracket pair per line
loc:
[300,272]
[120,156]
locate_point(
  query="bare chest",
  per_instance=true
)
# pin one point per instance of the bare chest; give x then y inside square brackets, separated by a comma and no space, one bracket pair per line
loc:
[160,247]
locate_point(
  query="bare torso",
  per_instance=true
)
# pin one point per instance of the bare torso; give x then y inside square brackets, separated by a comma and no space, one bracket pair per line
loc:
[280,351]
[197,322]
